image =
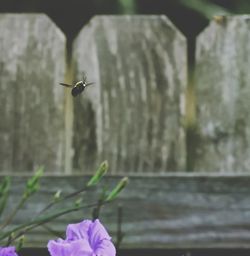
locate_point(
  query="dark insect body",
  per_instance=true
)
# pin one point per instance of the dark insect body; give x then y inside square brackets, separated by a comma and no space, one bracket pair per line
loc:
[78,88]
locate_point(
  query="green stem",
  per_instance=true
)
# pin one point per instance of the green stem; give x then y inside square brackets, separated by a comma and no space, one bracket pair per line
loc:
[42,220]
[62,199]
[14,212]
[119,233]
[52,231]
[101,171]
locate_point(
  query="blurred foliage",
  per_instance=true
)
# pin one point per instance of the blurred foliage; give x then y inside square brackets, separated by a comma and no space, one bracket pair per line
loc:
[127,6]
[242,6]
[205,8]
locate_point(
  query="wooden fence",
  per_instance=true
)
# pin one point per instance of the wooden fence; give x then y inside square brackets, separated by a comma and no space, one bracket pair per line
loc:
[135,117]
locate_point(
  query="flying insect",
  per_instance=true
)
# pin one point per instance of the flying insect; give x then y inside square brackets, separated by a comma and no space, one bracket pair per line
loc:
[78,87]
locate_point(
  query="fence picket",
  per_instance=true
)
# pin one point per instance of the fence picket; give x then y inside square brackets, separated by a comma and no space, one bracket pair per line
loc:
[31,103]
[132,115]
[223,93]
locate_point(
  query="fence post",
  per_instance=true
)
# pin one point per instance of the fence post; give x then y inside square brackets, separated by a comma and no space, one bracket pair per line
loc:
[132,116]
[223,95]
[32,64]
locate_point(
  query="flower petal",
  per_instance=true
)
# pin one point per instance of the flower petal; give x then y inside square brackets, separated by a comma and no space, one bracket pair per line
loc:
[97,233]
[86,238]
[78,231]
[8,251]
[105,248]
[62,248]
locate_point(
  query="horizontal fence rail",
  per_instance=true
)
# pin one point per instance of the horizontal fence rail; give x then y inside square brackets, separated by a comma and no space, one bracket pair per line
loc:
[176,211]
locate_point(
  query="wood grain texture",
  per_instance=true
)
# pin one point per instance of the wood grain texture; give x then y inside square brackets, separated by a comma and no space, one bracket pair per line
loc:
[132,116]
[223,93]
[170,211]
[32,63]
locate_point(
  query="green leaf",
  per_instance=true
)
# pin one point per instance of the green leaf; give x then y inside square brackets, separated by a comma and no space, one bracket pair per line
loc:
[127,6]
[57,195]
[32,184]
[20,243]
[205,8]
[78,202]
[101,171]
[4,192]
[118,188]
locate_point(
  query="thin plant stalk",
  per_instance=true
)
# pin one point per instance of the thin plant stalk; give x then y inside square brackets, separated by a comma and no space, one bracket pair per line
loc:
[119,233]
[42,220]
[14,212]
[62,199]
[100,172]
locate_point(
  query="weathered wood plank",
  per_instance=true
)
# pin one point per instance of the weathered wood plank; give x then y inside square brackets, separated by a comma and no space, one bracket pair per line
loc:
[223,93]
[132,115]
[32,63]
[173,211]
[158,252]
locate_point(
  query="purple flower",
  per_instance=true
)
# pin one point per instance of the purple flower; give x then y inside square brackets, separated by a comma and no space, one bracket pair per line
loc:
[87,238]
[8,251]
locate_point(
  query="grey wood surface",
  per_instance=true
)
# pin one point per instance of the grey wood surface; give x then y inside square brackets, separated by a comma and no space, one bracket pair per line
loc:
[133,114]
[133,117]
[170,211]
[32,63]
[223,95]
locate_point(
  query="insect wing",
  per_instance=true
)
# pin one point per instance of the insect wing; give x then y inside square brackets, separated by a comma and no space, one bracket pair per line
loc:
[87,84]
[84,79]
[67,85]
